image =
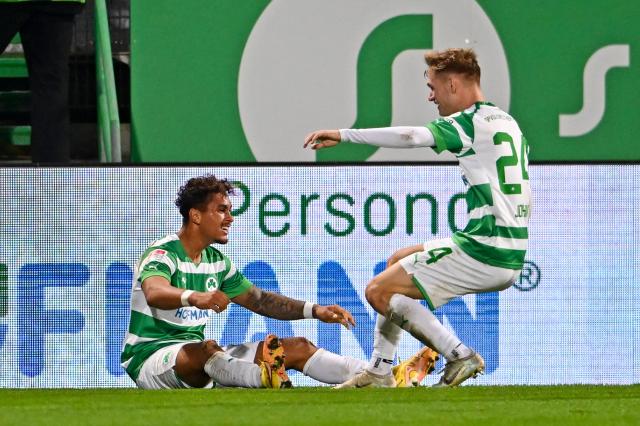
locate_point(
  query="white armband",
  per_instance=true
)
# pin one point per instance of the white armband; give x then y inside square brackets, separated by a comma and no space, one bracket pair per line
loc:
[307,311]
[184,297]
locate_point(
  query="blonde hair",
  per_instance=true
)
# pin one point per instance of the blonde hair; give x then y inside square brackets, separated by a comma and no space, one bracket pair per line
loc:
[455,60]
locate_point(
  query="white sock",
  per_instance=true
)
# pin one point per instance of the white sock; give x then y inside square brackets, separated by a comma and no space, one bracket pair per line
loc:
[233,372]
[330,368]
[423,325]
[386,337]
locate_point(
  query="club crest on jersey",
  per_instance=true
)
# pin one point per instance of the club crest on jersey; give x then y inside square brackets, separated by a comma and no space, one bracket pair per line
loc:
[212,284]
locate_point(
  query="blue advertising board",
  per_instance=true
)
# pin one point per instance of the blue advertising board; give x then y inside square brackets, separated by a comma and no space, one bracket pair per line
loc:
[70,238]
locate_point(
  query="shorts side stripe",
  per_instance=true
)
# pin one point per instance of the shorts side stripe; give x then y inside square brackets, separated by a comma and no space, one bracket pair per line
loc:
[423,292]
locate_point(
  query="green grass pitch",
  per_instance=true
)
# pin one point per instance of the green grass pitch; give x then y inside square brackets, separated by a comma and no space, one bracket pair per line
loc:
[469,405]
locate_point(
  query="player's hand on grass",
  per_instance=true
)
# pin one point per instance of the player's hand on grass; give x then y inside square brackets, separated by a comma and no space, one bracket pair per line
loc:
[322,139]
[334,314]
[215,300]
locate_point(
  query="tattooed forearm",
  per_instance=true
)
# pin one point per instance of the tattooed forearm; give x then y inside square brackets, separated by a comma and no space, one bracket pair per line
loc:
[274,305]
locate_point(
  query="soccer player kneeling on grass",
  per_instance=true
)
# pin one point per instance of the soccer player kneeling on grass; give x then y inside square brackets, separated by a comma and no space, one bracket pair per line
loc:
[487,255]
[181,278]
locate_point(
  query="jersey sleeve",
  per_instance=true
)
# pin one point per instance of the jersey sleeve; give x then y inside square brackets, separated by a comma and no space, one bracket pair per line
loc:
[389,137]
[157,262]
[234,283]
[453,133]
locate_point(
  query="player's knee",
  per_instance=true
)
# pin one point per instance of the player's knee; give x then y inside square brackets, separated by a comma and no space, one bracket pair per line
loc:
[298,350]
[300,345]
[376,296]
[209,347]
[394,258]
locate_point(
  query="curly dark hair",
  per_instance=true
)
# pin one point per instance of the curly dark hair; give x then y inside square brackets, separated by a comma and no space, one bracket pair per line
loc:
[457,60]
[197,192]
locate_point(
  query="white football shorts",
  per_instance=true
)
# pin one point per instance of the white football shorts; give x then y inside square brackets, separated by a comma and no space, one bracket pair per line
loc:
[157,371]
[443,271]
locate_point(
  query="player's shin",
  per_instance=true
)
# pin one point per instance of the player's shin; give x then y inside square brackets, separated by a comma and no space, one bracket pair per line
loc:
[228,371]
[330,368]
[424,326]
[385,341]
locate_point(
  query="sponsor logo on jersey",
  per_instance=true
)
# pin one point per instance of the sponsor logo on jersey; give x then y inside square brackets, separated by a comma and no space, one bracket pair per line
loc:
[192,314]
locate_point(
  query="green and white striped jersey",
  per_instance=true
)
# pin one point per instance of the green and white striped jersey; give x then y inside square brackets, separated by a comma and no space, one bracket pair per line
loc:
[151,328]
[493,156]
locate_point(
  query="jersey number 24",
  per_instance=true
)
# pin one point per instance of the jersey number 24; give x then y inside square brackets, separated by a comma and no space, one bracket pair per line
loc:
[511,160]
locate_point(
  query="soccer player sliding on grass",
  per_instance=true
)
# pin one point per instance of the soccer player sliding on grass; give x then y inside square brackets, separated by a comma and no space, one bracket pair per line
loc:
[486,256]
[181,278]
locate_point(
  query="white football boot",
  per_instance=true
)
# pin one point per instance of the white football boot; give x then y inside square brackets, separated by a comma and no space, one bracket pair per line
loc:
[367,379]
[459,370]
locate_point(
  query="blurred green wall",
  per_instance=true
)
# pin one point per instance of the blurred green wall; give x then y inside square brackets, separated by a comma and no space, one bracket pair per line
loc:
[186,59]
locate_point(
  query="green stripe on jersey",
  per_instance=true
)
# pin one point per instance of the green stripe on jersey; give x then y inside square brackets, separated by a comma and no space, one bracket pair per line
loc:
[517,233]
[481,103]
[494,256]
[214,272]
[478,196]
[467,153]
[154,328]
[445,135]
[486,227]
[465,120]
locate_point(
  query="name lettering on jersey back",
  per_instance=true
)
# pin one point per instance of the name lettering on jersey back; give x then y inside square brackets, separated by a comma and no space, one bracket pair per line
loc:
[522,210]
[192,314]
[492,117]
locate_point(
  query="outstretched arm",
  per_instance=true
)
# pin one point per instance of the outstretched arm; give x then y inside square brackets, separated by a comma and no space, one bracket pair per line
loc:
[387,137]
[281,307]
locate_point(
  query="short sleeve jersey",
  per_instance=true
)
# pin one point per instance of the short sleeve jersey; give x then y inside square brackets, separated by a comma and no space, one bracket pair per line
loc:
[493,155]
[151,328]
